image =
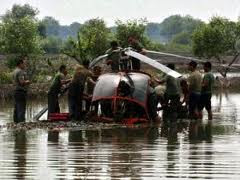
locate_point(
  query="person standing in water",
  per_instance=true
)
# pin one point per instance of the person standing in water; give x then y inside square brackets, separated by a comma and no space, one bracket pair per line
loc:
[172,92]
[75,95]
[206,92]
[55,90]
[21,83]
[194,84]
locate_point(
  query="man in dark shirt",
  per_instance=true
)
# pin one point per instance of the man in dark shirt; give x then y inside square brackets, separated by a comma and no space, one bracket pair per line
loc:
[136,46]
[20,94]
[55,90]
[114,55]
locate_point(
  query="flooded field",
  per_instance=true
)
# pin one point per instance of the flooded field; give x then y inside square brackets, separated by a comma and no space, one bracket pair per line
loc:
[179,150]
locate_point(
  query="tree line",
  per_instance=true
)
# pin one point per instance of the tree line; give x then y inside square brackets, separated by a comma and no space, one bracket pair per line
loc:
[51,36]
[22,33]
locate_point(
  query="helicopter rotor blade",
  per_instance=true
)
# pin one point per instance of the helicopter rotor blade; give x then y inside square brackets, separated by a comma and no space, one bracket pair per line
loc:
[153,63]
[189,58]
[175,55]
[97,60]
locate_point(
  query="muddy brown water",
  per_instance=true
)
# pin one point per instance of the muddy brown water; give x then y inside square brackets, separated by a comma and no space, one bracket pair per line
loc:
[180,150]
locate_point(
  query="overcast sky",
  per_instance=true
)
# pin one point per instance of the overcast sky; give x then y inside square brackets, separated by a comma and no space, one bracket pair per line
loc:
[68,11]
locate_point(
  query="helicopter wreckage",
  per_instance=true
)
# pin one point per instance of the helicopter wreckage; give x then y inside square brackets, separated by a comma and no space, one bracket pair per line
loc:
[126,96]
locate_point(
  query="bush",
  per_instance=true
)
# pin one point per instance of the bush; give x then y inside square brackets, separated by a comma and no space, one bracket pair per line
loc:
[11,62]
[5,78]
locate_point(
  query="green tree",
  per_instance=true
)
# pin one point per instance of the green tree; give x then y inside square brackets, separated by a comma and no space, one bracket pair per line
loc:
[74,28]
[52,45]
[217,40]
[183,38]
[19,31]
[18,12]
[19,35]
[92,41]
[42,30]
[153,32]
[135,28]
[171,26]
[51,26]
[176,24]
[1,39]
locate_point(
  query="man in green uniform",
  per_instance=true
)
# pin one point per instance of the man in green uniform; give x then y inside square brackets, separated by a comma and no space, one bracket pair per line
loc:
[114,55]
[206,92]
[20,94]
[172,92]
[55,90]
[137,46]
[194,84]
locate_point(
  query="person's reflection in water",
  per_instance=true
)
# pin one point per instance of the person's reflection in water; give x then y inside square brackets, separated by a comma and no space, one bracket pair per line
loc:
[58,150]
[53,136]
[126,152]
[84,150]
[75,137]
[127,157]
[170,132]
[219,104]
[151,134]
[199,132]
[75,140]
[20,153]
[200,138]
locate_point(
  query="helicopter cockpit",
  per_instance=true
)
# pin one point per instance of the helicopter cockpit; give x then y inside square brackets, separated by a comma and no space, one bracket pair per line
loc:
[122,95]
